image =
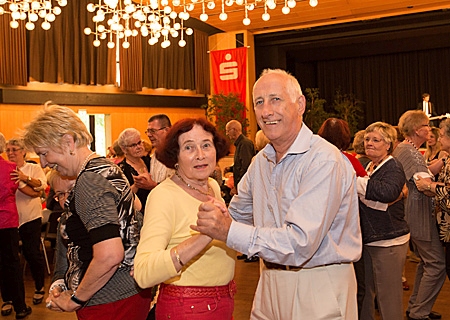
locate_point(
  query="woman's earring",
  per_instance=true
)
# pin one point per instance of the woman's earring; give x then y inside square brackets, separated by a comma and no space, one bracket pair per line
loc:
[71,153]
[176,166]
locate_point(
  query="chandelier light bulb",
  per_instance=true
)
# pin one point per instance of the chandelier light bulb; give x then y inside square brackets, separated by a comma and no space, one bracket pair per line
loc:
[291,3]
[265,16]
[23,16]
[87,31]
[189,31]
[62,3]
[251,7]
[203,17]
[42,14]
[33,17]
[182,43]
[125,44]
[35,5]
[239,2]
[13,7]
[134,33]
[100,28]
[14,24]
[174,34]
[177,26]
[313,3]
[57,11]
[103,36]
[190,7]
[90,7]
[164,3]
[15,15]
[167,10]
[246,21]
[173,15]
[111,44]
[271,4]
[137,24]
[29,25]
[285,10]
[176,3]
[50,17]
[46,25]
[144,32]
[128,33]
[96,43]
[211,5]
[166,20]
[223,16]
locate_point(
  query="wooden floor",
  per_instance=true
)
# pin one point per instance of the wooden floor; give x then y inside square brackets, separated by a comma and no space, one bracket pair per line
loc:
[246,278]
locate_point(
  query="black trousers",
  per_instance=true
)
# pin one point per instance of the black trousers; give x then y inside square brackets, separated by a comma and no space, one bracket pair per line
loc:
[11,278]
[30,234]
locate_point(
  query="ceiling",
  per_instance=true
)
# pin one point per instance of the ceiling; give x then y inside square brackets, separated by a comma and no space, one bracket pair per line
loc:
[327,12]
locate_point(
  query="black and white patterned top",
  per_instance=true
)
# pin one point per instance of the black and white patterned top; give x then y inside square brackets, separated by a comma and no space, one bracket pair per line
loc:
[100,207]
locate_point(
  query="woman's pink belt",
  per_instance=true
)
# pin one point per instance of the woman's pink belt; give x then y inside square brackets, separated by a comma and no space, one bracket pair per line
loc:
[197,292]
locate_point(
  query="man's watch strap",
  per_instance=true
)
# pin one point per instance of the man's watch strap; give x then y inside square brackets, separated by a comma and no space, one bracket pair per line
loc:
[74,298]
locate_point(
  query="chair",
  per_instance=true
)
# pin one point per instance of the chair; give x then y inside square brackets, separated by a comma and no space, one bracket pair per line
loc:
[51,226]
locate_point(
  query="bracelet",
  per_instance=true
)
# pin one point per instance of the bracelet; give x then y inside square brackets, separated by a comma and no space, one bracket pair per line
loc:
[177,256]
[74,298]
[429,187]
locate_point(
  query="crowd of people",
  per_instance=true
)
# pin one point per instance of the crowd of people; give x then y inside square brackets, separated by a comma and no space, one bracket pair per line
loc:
[145,233]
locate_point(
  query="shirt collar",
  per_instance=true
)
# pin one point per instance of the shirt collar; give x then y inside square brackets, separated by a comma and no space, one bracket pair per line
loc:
[301,144]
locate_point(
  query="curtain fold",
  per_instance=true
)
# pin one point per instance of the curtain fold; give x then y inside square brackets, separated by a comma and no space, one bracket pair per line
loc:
[202,76]
[131,66]
[64,54]
[170,68]
[13,58]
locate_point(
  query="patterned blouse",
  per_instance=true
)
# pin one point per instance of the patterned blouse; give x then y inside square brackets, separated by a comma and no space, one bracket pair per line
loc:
[442,200]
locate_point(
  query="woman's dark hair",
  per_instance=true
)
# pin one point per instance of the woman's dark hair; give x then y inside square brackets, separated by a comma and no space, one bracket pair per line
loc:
[170,149]
[337,132]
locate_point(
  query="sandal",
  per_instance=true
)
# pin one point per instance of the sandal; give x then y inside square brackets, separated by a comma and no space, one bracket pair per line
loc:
[7,308]
[38,296]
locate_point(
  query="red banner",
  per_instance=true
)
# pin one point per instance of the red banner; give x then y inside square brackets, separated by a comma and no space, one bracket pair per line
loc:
[229,70]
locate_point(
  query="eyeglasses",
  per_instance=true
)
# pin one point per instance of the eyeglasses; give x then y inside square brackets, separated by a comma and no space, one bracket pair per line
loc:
[134,145]
[228,130]
[61,195]
[13,150]
[425,125]
[153,131]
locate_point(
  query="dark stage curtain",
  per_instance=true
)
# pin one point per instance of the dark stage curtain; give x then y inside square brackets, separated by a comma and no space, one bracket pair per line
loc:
[389,84]
[13,59]
[64,54]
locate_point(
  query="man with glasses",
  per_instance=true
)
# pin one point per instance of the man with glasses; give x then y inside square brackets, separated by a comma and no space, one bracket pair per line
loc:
[157,128]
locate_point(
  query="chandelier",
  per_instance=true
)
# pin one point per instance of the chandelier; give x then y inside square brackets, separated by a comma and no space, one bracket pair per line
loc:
[118,21]
[32,11]
[239,5]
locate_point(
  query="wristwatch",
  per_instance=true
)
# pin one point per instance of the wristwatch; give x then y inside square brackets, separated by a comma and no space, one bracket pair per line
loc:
[74,298]
[29,179]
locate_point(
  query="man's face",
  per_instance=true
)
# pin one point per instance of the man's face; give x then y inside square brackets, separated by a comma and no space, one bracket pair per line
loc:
[156,133]
[231,132]
[427,98]
[277,111]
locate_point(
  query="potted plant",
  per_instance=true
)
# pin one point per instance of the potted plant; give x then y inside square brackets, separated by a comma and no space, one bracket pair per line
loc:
[222,108]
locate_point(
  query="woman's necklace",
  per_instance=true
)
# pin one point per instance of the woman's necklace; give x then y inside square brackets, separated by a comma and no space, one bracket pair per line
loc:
[138,166]
[412,143]
[192,187]
[86,161]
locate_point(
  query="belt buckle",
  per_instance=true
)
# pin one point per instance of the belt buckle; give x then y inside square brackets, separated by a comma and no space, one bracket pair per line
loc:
[288,268]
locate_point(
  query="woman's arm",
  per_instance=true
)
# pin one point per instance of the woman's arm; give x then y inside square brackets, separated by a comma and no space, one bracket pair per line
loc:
[107,256]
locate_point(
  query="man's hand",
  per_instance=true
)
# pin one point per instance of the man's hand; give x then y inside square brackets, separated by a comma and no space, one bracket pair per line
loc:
[144,181]
[213,220]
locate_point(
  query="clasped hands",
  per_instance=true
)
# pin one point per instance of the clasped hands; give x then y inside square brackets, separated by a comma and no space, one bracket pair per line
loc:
[213,219]
[59,300]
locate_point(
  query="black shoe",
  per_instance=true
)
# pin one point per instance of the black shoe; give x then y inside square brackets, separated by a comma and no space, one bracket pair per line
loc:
[38,296]
[7,308]
[23,314]
[254,258]
[242,257]
[409,318]
[434,315]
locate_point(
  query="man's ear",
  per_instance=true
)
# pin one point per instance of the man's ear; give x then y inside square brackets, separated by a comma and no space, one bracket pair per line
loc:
[301,101]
